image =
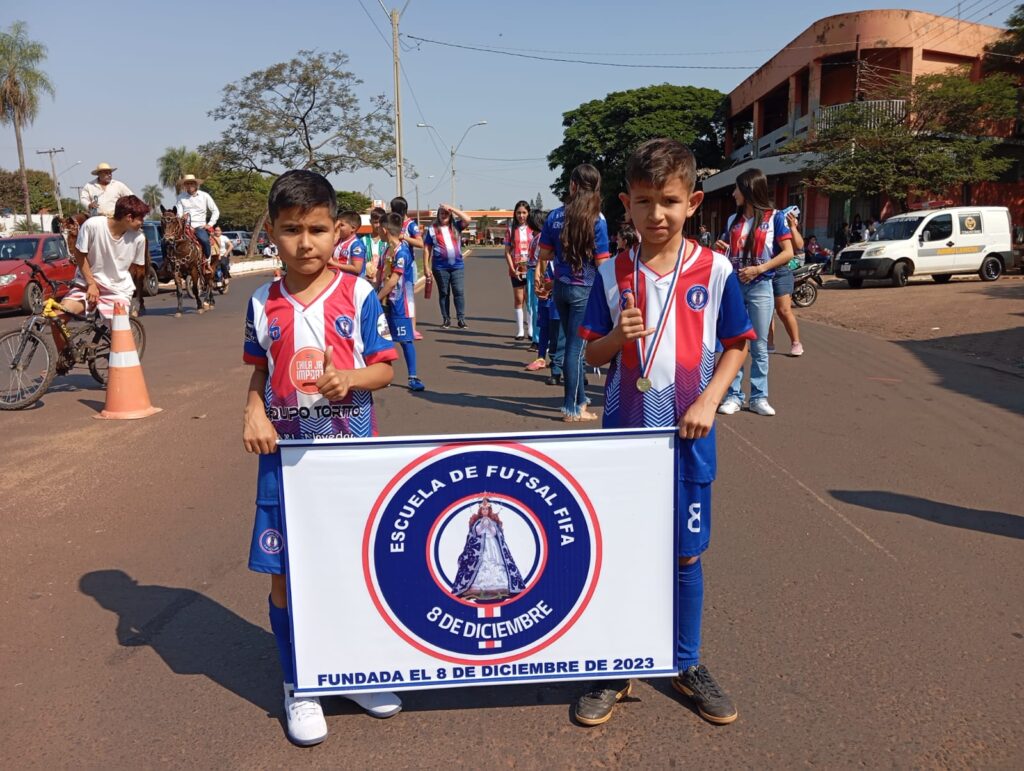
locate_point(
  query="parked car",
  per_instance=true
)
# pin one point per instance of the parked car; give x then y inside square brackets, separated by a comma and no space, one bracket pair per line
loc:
[17,287]
[939,243]
[154,232]
[239,240]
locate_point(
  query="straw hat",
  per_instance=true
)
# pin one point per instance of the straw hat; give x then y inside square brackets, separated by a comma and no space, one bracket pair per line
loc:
[189,178]
[103,167]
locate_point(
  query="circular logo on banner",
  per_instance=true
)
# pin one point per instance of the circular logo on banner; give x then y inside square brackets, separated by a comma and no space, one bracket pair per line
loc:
[306,367]
[697,297]
[271,541]
[483,553]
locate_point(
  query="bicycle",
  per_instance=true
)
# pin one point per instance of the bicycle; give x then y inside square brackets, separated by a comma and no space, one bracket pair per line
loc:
[29,356]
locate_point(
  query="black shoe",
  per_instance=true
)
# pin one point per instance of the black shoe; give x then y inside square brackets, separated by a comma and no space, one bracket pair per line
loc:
[533,347]
[713,704]
[446,324]
[595,707]
[462,324]
[554,380]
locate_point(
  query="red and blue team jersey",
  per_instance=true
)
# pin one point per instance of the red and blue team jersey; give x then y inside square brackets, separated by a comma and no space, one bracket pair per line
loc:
[289,339]
[708,308]
[400,299]
[445,244]
[518,238]
[411,228]
[534,257]
[351,249]
[551,238]
[768,239]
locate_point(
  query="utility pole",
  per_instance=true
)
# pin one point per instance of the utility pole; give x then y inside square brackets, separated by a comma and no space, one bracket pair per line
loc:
[53,167]
[856,80]
[395,15]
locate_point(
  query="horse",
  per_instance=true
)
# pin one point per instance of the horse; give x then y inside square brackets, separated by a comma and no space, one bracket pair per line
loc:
[187,260]
[69,229]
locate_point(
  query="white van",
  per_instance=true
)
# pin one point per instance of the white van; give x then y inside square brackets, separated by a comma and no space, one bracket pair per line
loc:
[936,242]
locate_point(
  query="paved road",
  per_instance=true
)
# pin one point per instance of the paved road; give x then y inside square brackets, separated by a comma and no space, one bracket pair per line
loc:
[864,582]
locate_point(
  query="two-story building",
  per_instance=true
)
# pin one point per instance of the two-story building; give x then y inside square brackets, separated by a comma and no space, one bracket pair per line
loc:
[822,69]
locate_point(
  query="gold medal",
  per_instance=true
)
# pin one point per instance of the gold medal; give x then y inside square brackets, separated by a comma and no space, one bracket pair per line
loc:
[644,384]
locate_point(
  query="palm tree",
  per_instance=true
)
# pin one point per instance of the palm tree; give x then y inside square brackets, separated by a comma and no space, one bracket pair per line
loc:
[153,195]
[176,162]
[21,83]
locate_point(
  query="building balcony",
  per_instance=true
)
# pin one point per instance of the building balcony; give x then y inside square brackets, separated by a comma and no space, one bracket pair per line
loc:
[879,112]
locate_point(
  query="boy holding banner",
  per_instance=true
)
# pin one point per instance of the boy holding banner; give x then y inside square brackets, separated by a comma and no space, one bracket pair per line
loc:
[656,313]
[317,340]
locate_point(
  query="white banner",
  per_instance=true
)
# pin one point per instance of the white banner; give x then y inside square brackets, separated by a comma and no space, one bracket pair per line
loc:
[424,562]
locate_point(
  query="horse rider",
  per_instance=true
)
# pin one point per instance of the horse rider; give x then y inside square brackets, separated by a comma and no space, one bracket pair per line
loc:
[100,195]
[192,205]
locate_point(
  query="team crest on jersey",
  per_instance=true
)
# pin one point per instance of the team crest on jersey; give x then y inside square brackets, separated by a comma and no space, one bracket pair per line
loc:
[271,541]
[697,297]
[482,553]
[344,326]
[305,368]
[274,329]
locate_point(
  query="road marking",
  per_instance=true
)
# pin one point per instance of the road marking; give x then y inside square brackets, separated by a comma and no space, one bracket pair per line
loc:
[885,379]
[810,492]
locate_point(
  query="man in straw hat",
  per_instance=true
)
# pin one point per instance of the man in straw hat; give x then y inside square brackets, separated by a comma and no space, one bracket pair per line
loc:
[193,204]
[100,195]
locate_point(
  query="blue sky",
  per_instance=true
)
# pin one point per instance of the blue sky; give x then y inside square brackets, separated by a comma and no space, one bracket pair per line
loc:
[132,82]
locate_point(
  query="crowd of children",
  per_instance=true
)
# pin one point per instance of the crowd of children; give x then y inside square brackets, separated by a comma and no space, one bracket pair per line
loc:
[670,317]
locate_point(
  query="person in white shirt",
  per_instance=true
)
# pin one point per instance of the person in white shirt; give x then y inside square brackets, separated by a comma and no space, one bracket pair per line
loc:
[111,246]
[193,204]
[100,195]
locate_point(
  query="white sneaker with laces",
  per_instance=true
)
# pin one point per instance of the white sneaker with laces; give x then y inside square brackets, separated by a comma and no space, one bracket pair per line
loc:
[762,407]
[305,716]
[729,407]
[382,705]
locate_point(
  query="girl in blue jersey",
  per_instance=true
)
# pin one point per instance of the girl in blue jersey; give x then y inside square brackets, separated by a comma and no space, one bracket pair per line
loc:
[575,236]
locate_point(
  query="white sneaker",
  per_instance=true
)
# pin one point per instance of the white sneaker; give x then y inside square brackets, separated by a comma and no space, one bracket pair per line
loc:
[382,705]
[305,716]
[762,407]
[729,407]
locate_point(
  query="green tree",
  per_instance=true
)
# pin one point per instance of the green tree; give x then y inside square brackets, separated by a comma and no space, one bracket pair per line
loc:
[303,114]
[349,200]
[241,197]
[538,202]
[40,190]
[941,139]
[176,162]
[21,85]
[1005,52]
[153,195]
[604,132]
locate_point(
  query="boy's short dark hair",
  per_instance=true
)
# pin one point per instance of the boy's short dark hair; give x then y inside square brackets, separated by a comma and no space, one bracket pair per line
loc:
[377,214]
[536,220]
[351,218]
[303,189]
[393,223]
[399,205]
[130,205]
[656,161]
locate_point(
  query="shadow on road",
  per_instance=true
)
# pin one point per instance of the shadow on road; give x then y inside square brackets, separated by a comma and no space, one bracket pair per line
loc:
[993,522]
[193,634]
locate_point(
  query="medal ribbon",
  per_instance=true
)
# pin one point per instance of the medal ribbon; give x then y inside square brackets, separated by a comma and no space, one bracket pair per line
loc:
[647,364]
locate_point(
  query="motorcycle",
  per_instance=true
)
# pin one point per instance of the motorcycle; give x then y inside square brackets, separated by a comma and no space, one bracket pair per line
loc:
[804,279]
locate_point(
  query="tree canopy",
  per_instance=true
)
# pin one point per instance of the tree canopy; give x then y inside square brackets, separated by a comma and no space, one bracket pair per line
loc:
[943,137]
[604,132]
[40,190]
[303,114]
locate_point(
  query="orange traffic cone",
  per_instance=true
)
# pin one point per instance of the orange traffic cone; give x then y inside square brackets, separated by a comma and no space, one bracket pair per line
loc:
[127,397]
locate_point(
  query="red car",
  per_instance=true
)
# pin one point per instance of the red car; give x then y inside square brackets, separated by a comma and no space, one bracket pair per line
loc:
[17,287]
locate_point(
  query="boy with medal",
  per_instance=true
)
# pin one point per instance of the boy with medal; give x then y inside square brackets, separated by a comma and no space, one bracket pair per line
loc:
[656,314]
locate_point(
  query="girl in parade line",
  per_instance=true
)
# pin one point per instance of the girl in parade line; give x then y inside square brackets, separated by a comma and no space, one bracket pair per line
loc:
[517,256]
[757,240]
[539,314]
[374,243]
[575,237]
[782,287]
[442,256]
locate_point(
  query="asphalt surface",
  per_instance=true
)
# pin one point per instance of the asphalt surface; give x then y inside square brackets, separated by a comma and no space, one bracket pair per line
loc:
[864,584]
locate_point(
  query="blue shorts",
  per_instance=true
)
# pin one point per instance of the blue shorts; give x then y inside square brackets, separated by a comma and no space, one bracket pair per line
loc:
[693,509]
[266,552]
[400,328]
[782,284]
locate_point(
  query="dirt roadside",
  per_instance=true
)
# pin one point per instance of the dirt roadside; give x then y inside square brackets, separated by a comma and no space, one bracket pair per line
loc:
[982,321]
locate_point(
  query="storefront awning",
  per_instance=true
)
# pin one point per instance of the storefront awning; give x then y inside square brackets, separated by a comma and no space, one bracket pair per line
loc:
[772,166]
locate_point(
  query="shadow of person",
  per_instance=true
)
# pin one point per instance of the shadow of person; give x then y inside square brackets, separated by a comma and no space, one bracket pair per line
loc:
[994,522]
[193,634]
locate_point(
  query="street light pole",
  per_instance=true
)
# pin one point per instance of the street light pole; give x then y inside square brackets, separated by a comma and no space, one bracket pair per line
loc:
[53,167]
[454,149]
[394,15]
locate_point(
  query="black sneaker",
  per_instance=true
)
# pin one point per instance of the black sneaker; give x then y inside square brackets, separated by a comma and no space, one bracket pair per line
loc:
[462,324]
[554,380]
[596,705]
[713,704]
[446,324]
[533,347]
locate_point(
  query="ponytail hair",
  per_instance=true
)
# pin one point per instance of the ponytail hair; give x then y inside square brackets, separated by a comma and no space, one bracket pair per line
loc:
[753,186]
[581,212]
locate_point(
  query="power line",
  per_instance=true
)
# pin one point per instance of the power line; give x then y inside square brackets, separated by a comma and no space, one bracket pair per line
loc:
[583,61]
[509,160]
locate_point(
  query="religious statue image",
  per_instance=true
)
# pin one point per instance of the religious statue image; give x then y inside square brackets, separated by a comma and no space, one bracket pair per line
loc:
[486,568]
